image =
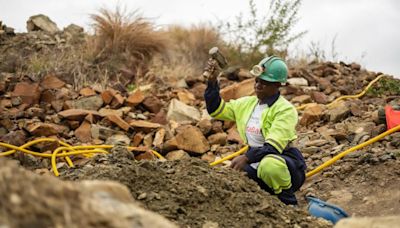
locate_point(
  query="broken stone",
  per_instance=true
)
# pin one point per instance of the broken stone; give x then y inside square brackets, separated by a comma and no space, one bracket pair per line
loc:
[186,97]
[100,132]
[205,126]
[107,96]
[77,114]
[302,99]
[191,139]
[117,101]
[119,122]
[338,113]
[135,98]
[147,155]
[208,157]
[118,139]
[319,97]
[159,138]
[148,140]
[51,82]
[143,124]
[29,93]
[297,81]
[180,112]
[153,104]
[312,113]
[233,136]
[45,129]
[107,112]
[16,138]
[137,139]
[87,92]
[41,22]
[170,145]
[88,103]
[235,91]
[218,138]
[177,155]
[83,133]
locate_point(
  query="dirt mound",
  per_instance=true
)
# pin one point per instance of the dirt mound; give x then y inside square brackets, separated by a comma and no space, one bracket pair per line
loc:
[192,194]
[29,200]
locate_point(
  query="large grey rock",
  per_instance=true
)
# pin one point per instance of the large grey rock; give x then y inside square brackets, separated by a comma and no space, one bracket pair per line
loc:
[41,22]
[179,112]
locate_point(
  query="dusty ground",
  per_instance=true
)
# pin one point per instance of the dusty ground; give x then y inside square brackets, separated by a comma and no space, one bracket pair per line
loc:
[193,195]
[360,186]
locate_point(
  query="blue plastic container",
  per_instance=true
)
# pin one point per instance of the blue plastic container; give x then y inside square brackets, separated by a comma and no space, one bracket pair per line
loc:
[322,209]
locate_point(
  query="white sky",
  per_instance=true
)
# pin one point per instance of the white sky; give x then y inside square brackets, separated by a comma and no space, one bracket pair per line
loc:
[367,31]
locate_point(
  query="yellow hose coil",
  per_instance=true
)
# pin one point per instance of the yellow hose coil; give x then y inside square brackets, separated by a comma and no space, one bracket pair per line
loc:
[65,151]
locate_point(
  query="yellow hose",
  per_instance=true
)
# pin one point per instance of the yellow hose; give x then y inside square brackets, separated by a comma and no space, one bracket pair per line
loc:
[348,96]
[344,153]
[239,152]
[86,150]
[54,155]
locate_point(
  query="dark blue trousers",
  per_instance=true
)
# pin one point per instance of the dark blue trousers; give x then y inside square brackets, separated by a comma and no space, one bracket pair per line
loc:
[296,165]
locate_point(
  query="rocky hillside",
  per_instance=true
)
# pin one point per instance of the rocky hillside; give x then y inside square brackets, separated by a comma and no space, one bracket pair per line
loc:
[170,117]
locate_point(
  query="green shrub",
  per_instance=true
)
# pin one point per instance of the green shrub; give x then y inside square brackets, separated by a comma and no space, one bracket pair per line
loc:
[263,33]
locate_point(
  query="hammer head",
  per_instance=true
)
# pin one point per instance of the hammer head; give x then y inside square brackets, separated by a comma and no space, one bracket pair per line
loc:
[217,55]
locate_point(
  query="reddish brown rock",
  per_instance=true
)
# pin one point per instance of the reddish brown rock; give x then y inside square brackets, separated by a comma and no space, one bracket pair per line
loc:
[177,155]
[319,97]
[16,138]
[51,82]
[143,124]
[77,114]
[29,92]
[218,138]
[83,133]
[107,96]
[135,98]
[312,113]
[160,118]
[233,136]
[302,99]
[137,139]
[235,91]
[191,139]
[45,129]
[117,101]
[186,97]
[153,104]
[119,122]
[170,145]
[87,92]
[147,155]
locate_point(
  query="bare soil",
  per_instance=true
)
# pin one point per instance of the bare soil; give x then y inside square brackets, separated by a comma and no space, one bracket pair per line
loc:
[192,194]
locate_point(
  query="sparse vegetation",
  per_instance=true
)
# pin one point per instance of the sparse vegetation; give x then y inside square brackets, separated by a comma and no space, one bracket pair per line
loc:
[263,33]
[385,86]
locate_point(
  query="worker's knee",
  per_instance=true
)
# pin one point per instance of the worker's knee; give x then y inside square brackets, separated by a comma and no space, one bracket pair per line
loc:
[274,172]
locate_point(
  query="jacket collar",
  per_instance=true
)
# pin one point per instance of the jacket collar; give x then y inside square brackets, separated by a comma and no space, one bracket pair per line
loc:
[271,99]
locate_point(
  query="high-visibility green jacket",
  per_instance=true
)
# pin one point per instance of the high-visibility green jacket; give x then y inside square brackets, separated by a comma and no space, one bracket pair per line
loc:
[278,121]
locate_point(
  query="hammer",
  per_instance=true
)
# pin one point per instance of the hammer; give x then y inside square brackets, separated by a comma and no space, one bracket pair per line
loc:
[219,58]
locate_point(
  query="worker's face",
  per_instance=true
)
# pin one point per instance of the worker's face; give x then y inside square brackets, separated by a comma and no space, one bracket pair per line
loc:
[265,89]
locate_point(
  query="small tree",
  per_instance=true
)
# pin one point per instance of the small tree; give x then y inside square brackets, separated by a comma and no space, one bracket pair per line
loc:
[264,33]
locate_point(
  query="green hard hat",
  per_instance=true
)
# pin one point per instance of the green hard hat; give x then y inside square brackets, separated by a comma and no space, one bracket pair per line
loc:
[271,69]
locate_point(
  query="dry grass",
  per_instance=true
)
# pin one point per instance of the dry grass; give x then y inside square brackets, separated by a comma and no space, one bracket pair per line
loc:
[187,52]
[125,40]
